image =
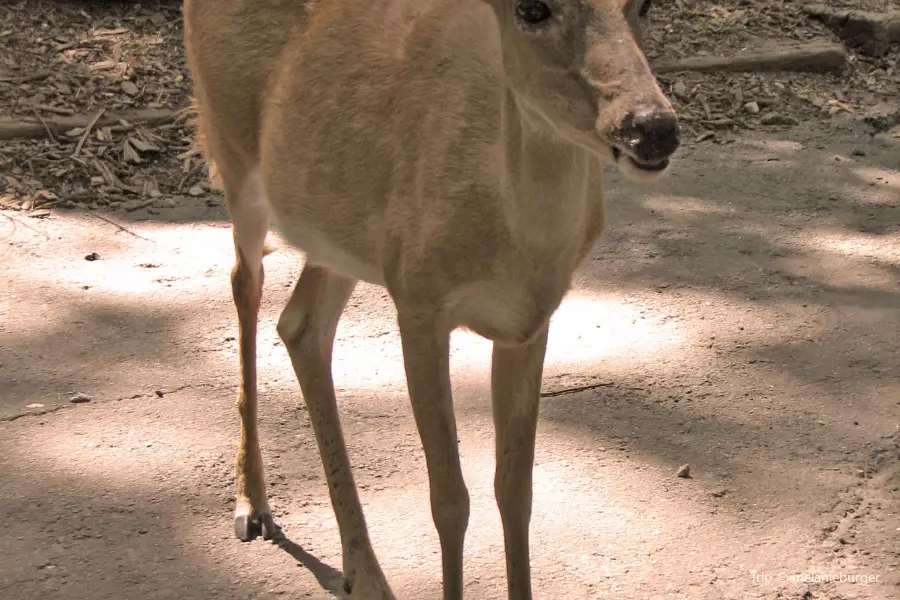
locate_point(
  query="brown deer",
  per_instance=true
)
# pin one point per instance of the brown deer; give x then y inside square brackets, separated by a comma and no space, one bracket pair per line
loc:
[451,151]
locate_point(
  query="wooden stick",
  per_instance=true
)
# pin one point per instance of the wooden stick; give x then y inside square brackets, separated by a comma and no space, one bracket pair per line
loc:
[87,132]
[871,33]
[813,56]
[26,78]
[33,128]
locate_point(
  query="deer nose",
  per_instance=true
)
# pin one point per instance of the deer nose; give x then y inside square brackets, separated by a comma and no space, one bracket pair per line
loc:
[650,137]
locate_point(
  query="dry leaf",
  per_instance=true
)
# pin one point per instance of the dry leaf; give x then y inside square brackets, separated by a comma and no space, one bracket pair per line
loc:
[129,154]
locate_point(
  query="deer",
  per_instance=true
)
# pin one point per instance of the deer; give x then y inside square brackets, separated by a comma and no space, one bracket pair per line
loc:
[450,151]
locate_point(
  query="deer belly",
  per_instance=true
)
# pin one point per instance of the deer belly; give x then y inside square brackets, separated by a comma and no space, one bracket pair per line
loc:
[503,312]
[322,252]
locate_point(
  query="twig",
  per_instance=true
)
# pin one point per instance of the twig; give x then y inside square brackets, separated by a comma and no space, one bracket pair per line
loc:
[27,78]
[23,224]
[580,388]
[44,123]
[87,131]
[29,128]
[811,56]
[190,172]
[121,227]
[54,109]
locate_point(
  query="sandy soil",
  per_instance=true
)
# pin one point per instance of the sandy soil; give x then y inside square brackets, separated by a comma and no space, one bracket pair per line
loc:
[741,316]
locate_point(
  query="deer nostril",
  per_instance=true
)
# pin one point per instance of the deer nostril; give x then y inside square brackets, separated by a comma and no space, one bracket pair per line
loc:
[652,136]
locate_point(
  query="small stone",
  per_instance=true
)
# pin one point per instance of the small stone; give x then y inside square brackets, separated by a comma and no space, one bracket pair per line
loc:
[718,493]
[34,405]
[80,398]
[684,471]
[130,88]
[92,256]
[752,107]
[679,89]
[196,191]
[159,393]
[777,119]
[858,152]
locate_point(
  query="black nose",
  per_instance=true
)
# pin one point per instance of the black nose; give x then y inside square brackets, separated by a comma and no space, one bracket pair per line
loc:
[650,137]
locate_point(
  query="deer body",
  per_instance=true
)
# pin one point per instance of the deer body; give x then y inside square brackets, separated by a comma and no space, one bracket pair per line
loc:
[425,146]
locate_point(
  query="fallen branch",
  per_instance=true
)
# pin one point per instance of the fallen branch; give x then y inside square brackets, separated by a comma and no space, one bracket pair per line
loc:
[120,227]
[34,128]
[871,33]
[813,56]
[87,132]
[580,388]
[27,78]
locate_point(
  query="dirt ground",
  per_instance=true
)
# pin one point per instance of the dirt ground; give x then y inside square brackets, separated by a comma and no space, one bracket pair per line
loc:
[741,316]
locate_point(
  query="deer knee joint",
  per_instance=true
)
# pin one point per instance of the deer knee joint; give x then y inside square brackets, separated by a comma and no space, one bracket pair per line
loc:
[293,327]
[451,510]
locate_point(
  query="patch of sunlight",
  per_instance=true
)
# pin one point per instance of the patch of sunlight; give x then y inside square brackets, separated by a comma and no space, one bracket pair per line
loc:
[858,245]
[683,204]
[591,327]
[880,176]
[167,261]
[118,453]
[585,328]
[769,153]
[781,146]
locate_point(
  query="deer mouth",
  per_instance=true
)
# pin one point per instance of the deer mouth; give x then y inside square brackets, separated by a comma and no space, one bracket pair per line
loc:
[649,167]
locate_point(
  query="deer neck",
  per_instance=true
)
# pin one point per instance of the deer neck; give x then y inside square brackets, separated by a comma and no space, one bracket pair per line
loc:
[545,177]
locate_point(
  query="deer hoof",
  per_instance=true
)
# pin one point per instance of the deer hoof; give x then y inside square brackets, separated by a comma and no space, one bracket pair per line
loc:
[247,528]
[270,529]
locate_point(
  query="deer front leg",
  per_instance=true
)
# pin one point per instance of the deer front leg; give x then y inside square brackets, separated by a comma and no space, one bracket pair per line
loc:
[515,389]
[307,326]
[426,355]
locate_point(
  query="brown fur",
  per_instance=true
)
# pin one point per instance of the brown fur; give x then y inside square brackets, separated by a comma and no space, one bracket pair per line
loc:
[446,150]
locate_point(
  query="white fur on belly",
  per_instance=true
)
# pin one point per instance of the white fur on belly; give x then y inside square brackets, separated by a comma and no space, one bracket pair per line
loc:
[320,251]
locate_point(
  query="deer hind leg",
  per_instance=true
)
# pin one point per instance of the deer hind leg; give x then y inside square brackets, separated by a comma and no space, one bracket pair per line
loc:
[426,355]
[307,326]
[516,388]
[250,217]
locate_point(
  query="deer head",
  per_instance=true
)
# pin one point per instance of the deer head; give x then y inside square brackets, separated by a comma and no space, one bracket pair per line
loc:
[578,66]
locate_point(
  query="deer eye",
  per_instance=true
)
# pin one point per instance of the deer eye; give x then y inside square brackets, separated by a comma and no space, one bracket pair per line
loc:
[532,11]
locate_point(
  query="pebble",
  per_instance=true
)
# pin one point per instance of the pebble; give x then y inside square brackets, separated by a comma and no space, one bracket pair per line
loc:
[80,398]
[777,119]
[130,88]
[684,471]
[752,107]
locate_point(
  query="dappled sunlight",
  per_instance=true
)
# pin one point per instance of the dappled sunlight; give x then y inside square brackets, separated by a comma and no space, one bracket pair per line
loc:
[125,450]
[681,206]
[885,248]
[878,176]
[595,328]
[142,262]
[773,145]
[586,328]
